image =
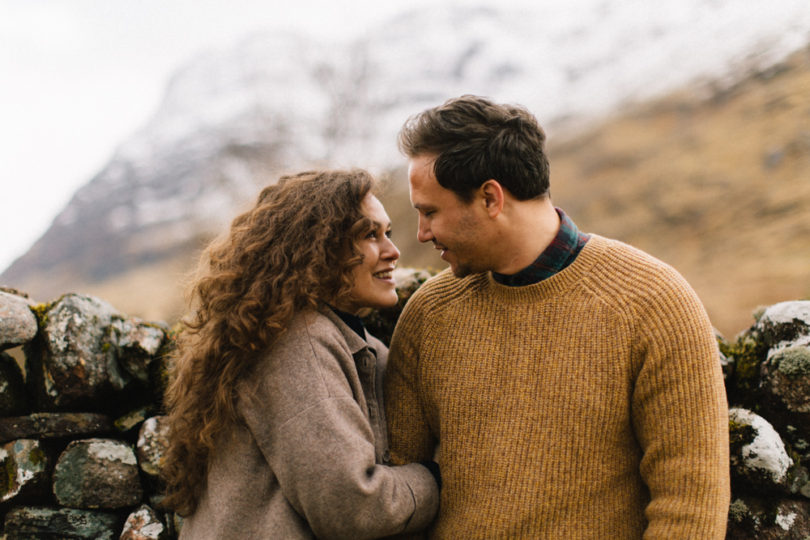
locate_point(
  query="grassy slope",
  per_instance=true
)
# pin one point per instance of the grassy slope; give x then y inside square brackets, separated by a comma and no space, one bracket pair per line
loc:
[719,188]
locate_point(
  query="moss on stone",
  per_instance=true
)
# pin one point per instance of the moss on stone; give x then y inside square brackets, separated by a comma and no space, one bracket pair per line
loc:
[739,434]
[748,353]
[738,511]
[793,362]
[37,456]
[8,477]
[40,311]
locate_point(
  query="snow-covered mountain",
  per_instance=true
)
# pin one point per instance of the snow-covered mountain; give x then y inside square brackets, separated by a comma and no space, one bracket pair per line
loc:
[234,119]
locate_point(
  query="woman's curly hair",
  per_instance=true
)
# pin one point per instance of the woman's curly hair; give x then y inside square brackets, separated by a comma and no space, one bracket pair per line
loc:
[294,250]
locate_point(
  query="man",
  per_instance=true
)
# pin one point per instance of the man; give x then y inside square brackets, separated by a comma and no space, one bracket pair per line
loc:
[568,384]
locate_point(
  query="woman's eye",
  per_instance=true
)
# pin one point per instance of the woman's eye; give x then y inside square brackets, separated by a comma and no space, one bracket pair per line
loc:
[372,235]
[388,233]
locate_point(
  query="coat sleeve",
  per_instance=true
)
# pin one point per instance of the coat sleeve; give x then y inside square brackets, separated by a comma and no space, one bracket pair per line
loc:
[680,417]
[320,445]
[409,433]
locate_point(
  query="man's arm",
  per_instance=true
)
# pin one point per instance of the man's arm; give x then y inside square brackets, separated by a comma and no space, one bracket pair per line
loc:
[409,434]
[680,415]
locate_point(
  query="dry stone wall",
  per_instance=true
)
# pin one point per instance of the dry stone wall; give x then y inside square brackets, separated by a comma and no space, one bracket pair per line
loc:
[83,431]
[81,423]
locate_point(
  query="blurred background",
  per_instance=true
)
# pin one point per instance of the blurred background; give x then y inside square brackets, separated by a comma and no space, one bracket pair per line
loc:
[131,133]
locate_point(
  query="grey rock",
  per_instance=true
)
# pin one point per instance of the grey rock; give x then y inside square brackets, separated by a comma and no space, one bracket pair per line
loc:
[785,385]
[133,418]
[798,443]
[153,441]
[39,523]
[97,473]
[17,323]
[799,481]
[752,518]
[144,524]
[53,425]
[13,395]
[745,356]
[25,467]
[758,458]
[786,372]
[785,322]
[76,364]
[137,342]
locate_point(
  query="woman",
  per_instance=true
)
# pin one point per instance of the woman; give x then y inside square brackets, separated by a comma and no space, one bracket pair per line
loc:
[276,413]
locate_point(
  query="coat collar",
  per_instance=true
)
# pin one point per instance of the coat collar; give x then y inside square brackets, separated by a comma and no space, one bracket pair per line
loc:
[354,341]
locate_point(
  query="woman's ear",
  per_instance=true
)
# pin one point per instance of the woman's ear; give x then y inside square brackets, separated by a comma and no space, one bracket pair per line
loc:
[492,196]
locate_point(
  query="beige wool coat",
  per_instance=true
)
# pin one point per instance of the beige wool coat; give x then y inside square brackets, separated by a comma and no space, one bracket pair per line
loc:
[311,459]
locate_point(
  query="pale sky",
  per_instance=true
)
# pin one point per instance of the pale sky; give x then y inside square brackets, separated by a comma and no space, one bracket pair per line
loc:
[77,77]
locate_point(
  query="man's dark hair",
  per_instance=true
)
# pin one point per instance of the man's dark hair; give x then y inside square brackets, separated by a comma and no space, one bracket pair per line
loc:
[474,140]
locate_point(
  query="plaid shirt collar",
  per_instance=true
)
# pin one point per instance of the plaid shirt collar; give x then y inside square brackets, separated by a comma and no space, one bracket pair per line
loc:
[560,253]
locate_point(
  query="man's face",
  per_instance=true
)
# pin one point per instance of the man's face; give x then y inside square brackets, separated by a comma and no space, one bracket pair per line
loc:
[455,227]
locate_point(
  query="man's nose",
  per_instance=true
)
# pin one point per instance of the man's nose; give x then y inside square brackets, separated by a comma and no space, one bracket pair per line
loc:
[423,233]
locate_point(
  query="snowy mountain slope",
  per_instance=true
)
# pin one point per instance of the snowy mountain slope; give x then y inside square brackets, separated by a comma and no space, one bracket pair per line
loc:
[233,119]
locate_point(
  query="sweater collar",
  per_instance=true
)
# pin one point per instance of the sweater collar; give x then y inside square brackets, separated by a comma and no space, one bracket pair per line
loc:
[573,275]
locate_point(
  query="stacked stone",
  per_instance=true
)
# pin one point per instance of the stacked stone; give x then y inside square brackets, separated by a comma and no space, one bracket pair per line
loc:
[767,372]
[81,429]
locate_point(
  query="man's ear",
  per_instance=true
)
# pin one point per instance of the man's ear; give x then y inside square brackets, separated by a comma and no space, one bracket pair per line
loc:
[492,196]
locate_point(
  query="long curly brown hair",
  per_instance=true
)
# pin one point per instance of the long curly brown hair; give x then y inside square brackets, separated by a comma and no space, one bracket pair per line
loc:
[294,250]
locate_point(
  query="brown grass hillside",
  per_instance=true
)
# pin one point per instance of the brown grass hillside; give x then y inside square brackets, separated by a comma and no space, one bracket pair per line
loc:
[717,186]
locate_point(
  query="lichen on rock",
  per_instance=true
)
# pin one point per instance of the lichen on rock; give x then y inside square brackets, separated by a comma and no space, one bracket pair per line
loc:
[144,524]
[785,322]
[17,322]
[759,457]
[153,443]
[23,469]
[73,367]
[29,522]
[97,473]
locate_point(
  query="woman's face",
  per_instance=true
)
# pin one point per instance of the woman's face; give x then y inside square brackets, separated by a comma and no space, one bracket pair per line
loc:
[373,282]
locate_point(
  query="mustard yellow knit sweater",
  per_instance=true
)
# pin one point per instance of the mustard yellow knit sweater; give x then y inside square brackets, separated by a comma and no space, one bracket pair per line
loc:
[589,405]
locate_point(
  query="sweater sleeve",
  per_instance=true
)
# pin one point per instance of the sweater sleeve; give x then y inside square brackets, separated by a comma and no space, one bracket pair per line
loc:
[680,416]
[409,432]
[320,446]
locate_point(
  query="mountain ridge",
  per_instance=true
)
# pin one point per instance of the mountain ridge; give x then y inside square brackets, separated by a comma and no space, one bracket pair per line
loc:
[230,120]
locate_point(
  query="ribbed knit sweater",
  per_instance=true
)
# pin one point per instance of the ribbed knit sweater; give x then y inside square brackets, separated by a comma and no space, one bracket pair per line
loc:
[588,405]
